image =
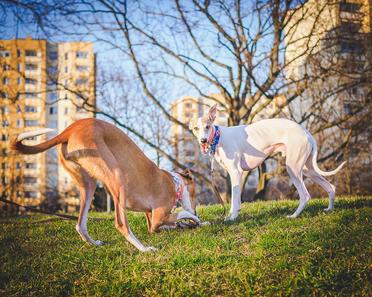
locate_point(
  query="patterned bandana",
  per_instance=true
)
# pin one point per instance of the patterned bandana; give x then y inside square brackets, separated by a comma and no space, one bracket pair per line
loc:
[178,182]
[215,141]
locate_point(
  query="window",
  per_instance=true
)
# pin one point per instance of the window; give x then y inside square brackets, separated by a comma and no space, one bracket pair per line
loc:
[53,55]
[351,47]
[30,95]
[52,70]
[5,123]
[81,81]
[18,53]
[4,180]
[4,137]
[66,69]
[348,27]
[30,66]
[52,96]
[4,109]
[66,110]
[18,80]
[80,68]
[3,95]
[18,165]
[6,67]
[82,55]
[19,67]
[53,110]
[30,194]
[66,56]
[31,81]
[19,123]
[5,81]
[65,83]
[30,165]
[29,108]
[18,109]
[31,53]
[4,54]
[349,7]
[30,179]
[4,152]
[31,123]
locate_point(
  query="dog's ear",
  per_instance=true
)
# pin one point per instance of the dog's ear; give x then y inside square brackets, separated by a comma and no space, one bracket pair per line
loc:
[187,174]
[212,113]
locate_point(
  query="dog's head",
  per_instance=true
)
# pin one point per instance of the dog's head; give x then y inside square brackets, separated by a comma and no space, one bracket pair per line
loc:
[189,183]
[203,128]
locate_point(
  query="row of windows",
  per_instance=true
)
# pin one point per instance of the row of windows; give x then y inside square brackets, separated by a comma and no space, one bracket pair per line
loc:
[27,123]
[28,53]
[28,81]
[27,165]
[29,95]
[53,55]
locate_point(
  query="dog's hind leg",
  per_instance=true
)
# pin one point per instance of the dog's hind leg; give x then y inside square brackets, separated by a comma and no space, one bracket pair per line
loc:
[321,181]
[87,186]
[295,163]
[104,167]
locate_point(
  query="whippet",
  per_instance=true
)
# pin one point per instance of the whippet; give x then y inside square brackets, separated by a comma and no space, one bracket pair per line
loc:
[91,150]
[243,148]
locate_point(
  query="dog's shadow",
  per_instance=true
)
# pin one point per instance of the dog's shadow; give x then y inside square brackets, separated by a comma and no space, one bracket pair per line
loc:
[265,216]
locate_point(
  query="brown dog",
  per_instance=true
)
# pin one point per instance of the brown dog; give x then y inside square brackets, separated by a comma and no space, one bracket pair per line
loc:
[91,150]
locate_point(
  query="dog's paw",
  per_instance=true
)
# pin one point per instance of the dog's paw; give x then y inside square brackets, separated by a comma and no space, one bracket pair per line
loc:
[150,249]
[231,218]
[292,216]
[97,242]
[328,209]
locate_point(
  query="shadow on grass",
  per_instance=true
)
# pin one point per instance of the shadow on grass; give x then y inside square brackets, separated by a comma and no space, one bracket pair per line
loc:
[314,208]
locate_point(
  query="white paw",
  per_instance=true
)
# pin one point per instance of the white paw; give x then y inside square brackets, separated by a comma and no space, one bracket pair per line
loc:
[293,216]
[205,224]
[97,242]
[149,249]
[328,209]
[231,218]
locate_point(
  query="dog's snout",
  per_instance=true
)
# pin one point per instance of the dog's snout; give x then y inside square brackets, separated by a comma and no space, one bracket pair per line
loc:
[203,140]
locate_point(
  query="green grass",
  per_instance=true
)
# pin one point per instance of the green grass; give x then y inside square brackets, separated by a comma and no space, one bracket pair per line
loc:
[262,254]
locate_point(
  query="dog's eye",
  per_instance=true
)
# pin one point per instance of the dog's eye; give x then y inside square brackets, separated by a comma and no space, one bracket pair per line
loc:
[207,127]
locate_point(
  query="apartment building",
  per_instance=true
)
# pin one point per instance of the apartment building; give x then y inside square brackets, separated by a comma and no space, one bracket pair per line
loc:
[331,43]
[331,39]
[42,84]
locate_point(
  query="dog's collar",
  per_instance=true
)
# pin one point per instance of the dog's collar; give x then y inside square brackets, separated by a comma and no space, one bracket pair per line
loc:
[214,139]
[179,187]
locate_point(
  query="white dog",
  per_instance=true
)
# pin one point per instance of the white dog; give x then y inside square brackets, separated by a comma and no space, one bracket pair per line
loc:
[243,148]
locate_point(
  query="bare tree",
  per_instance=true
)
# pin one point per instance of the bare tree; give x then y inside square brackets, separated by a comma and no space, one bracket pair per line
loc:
[235,48]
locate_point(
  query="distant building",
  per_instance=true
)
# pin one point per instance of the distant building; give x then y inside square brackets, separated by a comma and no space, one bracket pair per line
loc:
[332,40]
[43,84]
[331,43]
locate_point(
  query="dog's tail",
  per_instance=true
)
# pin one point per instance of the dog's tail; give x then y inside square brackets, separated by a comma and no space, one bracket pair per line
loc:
[315,164]
[17,145]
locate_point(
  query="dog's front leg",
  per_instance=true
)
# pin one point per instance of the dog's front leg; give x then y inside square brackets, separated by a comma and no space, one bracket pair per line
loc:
[236,180]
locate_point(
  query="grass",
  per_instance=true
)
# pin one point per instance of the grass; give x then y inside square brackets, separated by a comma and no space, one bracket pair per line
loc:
[262,254]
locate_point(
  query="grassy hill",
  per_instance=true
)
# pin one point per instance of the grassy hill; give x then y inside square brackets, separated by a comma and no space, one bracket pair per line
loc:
[263,254]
